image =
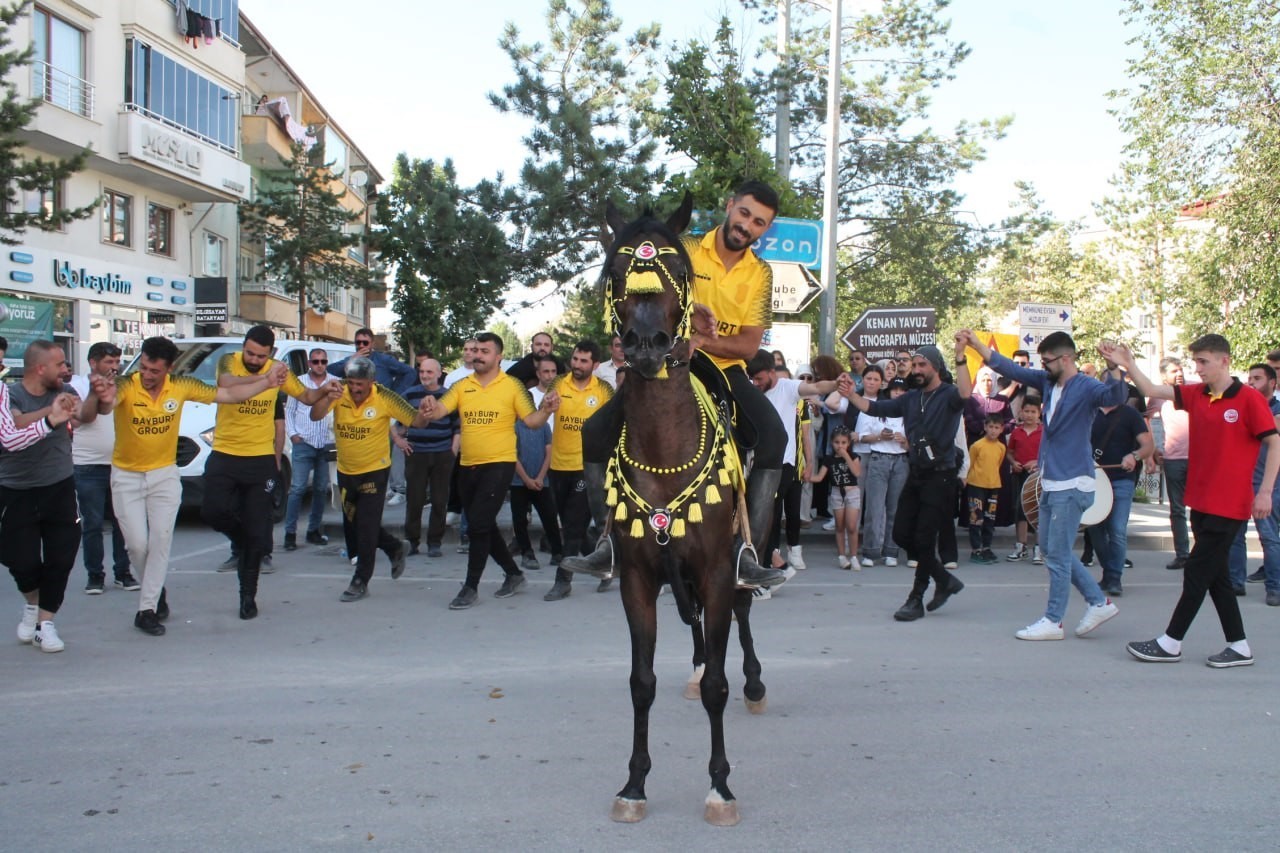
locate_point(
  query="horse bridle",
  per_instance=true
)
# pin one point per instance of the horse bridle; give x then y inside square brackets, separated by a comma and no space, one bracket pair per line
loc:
[646,274]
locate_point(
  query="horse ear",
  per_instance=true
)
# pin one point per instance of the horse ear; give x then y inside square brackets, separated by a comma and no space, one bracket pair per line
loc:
[679,220]
[614,218]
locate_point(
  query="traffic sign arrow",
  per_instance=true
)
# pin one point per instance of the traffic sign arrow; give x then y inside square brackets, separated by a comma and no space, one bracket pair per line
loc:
[794,287]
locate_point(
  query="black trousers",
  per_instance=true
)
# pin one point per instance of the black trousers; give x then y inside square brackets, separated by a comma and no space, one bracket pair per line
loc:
[363,499]
[789,492]
[427,473]
[237,501]
[542,500]
[570,491]
[926,506]
[1206,571]
[39,538]
[481,489]
[601,431]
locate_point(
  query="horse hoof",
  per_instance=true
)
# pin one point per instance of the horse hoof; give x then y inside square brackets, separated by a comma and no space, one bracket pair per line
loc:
[721,812]
[759,706]
[693,688]
[628,811]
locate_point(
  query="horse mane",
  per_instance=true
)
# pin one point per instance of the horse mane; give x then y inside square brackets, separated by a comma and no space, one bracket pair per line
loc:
[647,223]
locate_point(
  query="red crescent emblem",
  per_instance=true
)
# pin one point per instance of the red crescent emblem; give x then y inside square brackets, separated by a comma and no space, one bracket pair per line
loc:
[646,252]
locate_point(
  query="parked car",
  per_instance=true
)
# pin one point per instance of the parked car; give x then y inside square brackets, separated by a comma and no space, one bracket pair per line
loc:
[198,358]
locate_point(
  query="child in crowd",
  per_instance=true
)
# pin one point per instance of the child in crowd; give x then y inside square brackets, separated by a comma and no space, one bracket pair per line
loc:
[983,490]
[1024,449]
[845,498]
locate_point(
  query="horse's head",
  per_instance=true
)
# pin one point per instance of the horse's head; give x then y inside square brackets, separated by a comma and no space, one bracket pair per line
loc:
[647,276]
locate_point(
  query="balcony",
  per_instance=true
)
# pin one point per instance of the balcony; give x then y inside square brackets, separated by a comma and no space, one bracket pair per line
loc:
[61,89]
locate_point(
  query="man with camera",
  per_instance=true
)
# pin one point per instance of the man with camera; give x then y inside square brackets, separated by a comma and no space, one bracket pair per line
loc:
[931,413]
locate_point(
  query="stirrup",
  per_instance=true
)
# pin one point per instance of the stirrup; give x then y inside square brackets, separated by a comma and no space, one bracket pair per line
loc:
[760,577]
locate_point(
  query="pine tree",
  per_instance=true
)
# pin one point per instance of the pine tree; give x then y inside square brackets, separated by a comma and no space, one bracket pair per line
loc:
[18,174]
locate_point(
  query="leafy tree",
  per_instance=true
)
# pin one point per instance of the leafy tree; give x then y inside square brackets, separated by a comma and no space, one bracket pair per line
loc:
[452,259]
[584,91]
[299,220]
[512,348]
[19,174]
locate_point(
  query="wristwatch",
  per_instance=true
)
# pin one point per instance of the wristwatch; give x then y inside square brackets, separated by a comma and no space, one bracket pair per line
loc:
[962,362]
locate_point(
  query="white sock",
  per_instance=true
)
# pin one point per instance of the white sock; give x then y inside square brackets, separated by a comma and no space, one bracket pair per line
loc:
[1169,644]
[1241,648]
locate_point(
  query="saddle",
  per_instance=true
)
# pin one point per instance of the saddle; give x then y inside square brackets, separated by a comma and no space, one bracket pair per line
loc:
[716,383]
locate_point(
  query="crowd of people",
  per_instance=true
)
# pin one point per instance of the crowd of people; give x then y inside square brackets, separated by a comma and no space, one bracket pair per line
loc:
[893,456]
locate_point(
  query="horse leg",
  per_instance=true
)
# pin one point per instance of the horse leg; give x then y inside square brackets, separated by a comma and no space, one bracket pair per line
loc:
[753,690]
[640,602]
[721,808]
[692,688]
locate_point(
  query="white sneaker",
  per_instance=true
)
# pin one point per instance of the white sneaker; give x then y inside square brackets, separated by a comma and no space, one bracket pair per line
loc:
[830,525]
[451,518]
[1019,553]
[47,638]
[911,564]
[843,562]
[788,573]
[1036,556]
[891,561]
[27,627]
[795,558]
[867,562]
[1095,615]
[951,566]
[1042,630]
[396,499]
[761,593]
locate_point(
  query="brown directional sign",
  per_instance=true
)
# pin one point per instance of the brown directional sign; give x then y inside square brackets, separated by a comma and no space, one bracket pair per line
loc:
[881,332]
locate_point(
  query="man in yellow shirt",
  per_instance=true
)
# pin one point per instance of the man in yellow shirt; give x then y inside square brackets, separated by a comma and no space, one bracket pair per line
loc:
[582,394]
[736,288]
[146,490]
[488,403]
[240,473]
[362,415]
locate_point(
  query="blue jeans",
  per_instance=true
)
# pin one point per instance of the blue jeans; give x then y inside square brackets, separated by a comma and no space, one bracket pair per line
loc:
[884,475]
[1059,523]
[93,492]
[1175,483]
[307,460]
[1269,535]
[1111,537]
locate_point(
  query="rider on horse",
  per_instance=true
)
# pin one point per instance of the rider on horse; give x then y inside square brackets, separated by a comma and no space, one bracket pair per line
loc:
[737,289]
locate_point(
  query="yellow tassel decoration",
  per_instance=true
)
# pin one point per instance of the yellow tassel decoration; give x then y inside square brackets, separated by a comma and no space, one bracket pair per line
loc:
[713,495]
[608,478]
[724,477]
[677,528]
[612,499]
[695,513]
[643,282]
[637,529]
[621,513]
[662,373]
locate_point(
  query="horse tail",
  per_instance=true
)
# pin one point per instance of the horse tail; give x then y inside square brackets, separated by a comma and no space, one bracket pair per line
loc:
[681,588]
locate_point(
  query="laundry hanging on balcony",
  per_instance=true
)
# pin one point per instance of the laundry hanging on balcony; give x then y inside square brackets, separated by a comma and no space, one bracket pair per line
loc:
[195,26]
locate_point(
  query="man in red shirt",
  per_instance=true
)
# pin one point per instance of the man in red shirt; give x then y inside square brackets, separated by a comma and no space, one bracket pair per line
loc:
[1228,427]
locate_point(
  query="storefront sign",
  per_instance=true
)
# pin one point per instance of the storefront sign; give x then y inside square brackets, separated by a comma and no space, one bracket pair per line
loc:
[25,321]
[62,275]
[211,313]
[65,276]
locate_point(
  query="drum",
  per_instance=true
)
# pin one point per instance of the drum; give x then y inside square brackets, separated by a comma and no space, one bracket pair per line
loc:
[1095,514]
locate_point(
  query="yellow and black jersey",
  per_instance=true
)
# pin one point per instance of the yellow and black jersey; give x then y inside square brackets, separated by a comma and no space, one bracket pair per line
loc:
[488,416]
[742,296]
[363,430]
[575,407]
[248,428]
[147,427]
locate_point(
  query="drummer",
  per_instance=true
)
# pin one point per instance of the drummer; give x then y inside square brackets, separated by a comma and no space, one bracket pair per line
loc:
[1066,470]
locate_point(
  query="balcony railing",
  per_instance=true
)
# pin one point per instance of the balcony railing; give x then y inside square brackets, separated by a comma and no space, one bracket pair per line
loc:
[269,285]
[62,89]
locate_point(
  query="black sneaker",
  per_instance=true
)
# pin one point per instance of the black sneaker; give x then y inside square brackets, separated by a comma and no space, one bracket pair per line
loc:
[559,590]
[1257,577]
[555,559]
[529,562]
[96,585]
[315,537]
[1177,564]
[465,598]
[990,556]
[291,541]
[464,544]
[1128,564]
[232,564]
[1228,657]
[413,549]
[1149,650]
[910,611]
[1086,562]
[510,585]
[355,592]
[397,561]
[434,551]
[146,622]
[162,606]
[128,582]
[940,597]
[265,566]
[1240,591]
[1273,599]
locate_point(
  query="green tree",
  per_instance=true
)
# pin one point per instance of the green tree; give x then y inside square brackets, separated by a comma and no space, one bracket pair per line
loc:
[18,173]
[452,259]
[512,348]
[584,91]
[300,223]
[583,319]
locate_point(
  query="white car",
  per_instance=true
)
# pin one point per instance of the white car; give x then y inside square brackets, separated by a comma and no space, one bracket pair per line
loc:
[198,358]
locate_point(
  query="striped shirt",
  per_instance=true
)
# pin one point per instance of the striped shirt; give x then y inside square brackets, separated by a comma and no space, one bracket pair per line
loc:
[12,438]
[436,436]
[297,419]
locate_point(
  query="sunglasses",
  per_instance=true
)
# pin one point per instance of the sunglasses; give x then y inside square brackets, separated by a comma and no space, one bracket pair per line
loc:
[319,361]
[364,343]
[805,377]
[1045,362]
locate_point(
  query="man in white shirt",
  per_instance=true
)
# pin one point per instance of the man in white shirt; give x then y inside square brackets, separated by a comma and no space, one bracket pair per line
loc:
[608,371]
[91,455]
[310,442]
[883,443]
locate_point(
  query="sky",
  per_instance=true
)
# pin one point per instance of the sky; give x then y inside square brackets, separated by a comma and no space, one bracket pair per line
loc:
[421,72]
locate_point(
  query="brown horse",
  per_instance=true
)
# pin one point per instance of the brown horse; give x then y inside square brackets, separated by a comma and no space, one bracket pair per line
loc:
[671,493]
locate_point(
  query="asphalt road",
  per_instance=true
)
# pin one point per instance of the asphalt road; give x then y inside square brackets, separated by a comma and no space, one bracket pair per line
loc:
[394,723]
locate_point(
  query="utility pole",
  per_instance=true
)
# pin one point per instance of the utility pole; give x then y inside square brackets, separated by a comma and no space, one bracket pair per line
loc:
[831,191]
[782,109]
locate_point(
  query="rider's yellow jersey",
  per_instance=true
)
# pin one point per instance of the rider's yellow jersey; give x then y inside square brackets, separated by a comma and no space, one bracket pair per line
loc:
[742,296]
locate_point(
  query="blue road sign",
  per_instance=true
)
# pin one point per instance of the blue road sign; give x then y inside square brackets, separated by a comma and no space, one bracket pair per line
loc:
[795,241]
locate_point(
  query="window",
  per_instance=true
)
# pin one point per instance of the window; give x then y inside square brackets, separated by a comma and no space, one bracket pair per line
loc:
[159,230]
[214,247]
[247,269]
[162,88]
[116,218]
[57,64]
[40,202]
